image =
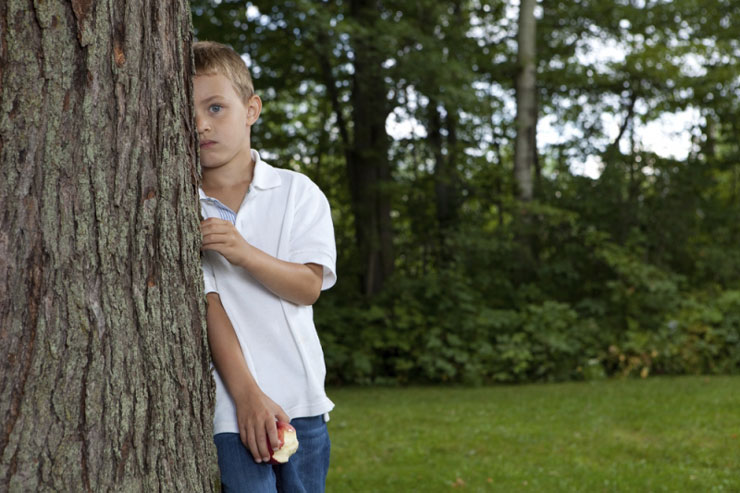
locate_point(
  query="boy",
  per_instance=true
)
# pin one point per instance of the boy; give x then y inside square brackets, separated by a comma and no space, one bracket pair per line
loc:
[269,250]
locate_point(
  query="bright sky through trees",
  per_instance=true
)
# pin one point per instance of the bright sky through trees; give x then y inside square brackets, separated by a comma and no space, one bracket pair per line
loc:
[670,135]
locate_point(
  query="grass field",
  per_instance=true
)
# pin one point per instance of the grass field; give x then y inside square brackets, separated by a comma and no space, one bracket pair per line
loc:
[658,434]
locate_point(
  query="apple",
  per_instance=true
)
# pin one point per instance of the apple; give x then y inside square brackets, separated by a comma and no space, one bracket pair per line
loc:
[288,444]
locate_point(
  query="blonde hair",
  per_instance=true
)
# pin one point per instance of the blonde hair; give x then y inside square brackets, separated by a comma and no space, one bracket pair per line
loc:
[215,58]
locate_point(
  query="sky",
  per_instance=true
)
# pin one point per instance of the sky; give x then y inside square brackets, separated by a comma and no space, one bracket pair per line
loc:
[669,136]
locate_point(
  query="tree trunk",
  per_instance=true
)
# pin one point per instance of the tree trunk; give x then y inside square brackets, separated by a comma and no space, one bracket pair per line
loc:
[446,181]
[105,380]
[525,152]
[368,168]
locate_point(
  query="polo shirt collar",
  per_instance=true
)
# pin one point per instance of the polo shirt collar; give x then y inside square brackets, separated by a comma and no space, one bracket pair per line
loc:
[265,176]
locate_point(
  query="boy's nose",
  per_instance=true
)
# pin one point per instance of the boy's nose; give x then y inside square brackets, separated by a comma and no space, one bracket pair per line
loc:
[201,124]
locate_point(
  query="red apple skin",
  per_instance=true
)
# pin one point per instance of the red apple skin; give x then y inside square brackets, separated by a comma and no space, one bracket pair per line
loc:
[282,427]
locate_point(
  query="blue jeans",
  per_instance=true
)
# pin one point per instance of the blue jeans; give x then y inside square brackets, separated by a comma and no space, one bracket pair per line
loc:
[305,472]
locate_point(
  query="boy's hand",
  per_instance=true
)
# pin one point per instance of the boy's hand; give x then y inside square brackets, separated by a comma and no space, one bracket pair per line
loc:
[295,282]
[256,417]
[221,236]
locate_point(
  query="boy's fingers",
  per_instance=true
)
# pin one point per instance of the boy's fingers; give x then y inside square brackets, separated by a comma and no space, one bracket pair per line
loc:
[252,446]
[214,238]
[216,242]
[219,235]
[261,438]
[243,436]
[273,435]
[214,228]
[281,416]
[214,220]
[216,225]
[247,438]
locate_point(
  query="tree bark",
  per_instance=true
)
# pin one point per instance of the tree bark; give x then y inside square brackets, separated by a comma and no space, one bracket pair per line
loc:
[446,180]
[369,170]
[525,152]
[446,189]
[105,380]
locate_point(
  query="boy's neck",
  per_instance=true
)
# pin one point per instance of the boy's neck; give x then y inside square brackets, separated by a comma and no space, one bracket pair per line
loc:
[238,173]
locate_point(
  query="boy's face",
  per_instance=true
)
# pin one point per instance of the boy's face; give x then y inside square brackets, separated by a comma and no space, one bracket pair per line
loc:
[223,120]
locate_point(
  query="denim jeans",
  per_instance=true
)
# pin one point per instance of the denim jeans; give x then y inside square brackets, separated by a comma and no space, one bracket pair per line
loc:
[305,472]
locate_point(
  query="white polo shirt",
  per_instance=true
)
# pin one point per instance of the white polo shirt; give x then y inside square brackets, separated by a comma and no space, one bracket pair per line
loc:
[287,216]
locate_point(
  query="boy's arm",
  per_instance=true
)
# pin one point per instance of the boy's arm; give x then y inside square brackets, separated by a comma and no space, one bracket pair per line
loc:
[256,413]
[299,283]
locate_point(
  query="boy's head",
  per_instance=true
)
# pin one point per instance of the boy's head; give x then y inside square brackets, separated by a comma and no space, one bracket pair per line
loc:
[215,58]
[225,105]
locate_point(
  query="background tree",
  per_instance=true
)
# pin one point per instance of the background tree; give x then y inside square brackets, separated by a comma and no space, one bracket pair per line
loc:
[105,381]
[525,152]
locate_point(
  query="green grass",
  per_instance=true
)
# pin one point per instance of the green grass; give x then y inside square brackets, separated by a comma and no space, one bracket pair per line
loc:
[659,434]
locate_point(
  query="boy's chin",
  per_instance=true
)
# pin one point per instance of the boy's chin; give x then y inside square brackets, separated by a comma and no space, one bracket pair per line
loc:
[210,164]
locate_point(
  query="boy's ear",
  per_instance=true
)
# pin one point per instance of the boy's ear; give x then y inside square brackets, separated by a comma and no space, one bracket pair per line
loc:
[254,108]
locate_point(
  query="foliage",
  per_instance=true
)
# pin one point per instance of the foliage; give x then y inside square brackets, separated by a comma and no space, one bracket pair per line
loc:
[702,336]
[635,272]
[610,313]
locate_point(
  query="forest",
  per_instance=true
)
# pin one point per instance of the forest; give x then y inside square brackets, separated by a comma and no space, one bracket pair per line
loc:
[474,249]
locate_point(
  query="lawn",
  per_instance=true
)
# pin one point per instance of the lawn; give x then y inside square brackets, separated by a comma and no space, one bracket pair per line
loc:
[658,434]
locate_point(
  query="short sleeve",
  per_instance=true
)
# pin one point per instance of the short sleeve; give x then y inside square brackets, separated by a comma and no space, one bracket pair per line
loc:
[312,236]
[209,279]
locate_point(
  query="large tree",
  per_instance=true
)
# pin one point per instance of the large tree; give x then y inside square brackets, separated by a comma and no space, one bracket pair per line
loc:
[105,381]
[368,168]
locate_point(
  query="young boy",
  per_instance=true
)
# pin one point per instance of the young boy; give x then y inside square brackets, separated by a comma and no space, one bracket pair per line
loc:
[269,251]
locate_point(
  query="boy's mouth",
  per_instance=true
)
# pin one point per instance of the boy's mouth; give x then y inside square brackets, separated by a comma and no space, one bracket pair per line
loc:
[204,144]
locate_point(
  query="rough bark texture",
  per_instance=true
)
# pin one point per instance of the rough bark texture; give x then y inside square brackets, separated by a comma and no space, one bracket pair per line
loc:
[525,152]
[105,384]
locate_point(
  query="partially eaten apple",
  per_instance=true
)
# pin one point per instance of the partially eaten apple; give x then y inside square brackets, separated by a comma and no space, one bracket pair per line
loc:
[288,444]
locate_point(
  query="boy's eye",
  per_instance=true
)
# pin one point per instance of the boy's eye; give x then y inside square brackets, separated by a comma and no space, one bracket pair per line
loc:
[215,108]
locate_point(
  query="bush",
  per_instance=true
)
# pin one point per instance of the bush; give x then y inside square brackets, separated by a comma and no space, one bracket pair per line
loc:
[485,310]
[424,333]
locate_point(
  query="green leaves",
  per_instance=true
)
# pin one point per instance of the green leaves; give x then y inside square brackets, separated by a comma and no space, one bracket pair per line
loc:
[636,271]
